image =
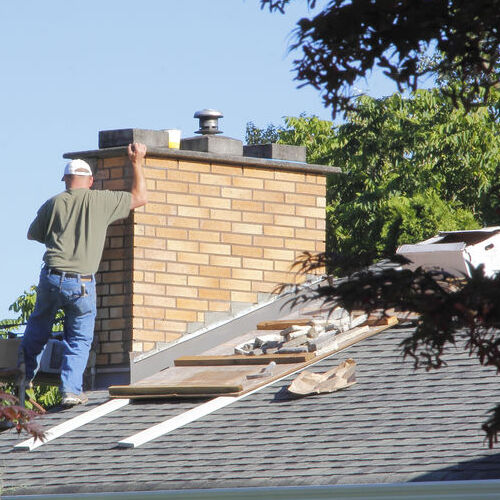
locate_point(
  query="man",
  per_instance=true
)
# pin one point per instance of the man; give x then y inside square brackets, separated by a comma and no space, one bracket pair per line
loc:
[73,225]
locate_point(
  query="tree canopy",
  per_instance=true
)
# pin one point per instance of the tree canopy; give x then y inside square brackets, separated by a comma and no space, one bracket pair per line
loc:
[407,39]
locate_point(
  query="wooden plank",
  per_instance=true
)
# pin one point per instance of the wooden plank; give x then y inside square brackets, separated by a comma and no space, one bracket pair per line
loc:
[241,359]
[161,391]
[281,324]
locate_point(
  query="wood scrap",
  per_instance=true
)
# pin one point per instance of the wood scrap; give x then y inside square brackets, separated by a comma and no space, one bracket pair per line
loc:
[267,371]
[337,378]
[237,359]
[281,324]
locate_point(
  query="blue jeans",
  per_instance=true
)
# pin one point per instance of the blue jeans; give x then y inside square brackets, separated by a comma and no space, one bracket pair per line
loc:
[77,298]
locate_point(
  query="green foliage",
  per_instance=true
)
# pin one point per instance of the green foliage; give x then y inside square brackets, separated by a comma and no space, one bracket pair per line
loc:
[413,166]
[45,395]
[347,39]
[24,306]
[255,135]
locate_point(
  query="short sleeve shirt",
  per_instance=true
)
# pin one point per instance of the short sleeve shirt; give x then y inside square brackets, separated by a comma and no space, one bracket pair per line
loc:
[73,225]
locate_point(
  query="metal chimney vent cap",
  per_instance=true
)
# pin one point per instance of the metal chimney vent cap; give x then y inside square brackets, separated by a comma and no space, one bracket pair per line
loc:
[208,121]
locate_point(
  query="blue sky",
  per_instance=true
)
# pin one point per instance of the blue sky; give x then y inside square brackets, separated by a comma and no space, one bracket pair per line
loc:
[73,68]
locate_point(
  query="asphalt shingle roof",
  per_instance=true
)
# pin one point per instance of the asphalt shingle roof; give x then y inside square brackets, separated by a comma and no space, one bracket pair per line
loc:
[394,425]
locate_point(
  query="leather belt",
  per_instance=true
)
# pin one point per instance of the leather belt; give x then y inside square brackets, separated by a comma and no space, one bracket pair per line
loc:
[83,277]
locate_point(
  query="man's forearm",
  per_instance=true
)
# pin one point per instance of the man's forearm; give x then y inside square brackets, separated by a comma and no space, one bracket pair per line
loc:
[137,153]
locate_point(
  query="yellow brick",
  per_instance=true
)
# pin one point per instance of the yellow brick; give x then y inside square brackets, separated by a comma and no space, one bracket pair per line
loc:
[171,279]
[245,205]
[114,324]
[260,173]
[237,193]
[290,176]
[148,289]
[214,294]
[233,284]
[215,225]
[248,182]
[321,202]
[275,254]
[286,232]
[139,346]
[192,304]
[240,239]
[159,301]
[110,347]
[150,243]
[205,190]
[157,197]
[257,264]
[287,187]
[310,223]
[116,173]
[320,246]
[193,166]
[155,173]
[152,220]
[186,222]
[219,306]
[177,314]
[269,196]
[226,215]
[198,212]
[148,335]
[183,176]
[310,234]
[300,199]
[217,180]
[223,260]
[281,277]
[279,208]
[149,265]
[172,186]
[206,201]
[183,199]
[313,189]
[285,220]
[260,218]
[227,169]
[137,299]
[204,236]
[238,227]
[264,287]
[203,281]
[303,245]
[215,248]
[318,213]
[247,251]
[247,274]
[183,245]
[167,327]
[178,268]
[162,255]
[268,241]
[321,224]
[283,265]
[115,185]
[161,163]
[215,271]
[170,232]
[149,312]
[192,258]
[200,316]
[244,297]
[181,291]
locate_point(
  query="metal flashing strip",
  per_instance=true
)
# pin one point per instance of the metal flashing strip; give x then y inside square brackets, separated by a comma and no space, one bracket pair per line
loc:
[72,424]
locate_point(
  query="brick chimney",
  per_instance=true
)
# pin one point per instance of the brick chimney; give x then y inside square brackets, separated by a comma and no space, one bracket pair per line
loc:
[219,233]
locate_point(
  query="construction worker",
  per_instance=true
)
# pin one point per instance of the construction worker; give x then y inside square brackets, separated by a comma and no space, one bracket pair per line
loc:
[73,225]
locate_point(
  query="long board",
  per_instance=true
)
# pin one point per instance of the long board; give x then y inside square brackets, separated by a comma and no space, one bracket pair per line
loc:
[228,380]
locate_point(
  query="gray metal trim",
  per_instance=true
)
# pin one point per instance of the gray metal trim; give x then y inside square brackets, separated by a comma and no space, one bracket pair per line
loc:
[442,490]
[178,154]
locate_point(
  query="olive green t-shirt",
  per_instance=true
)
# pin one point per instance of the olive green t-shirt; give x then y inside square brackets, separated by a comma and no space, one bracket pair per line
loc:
[73,225]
